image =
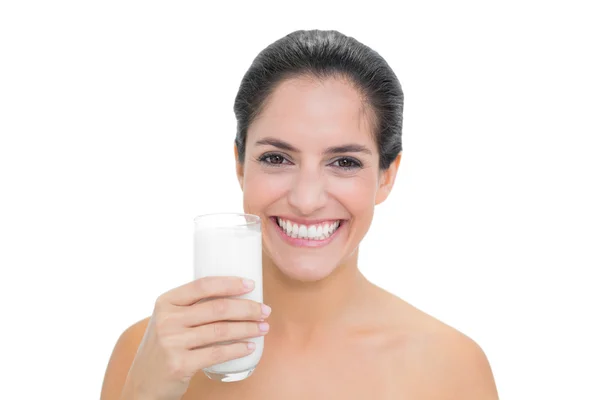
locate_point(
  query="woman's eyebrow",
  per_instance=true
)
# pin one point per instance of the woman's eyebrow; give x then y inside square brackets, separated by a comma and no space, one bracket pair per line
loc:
[347,148]
[280,144]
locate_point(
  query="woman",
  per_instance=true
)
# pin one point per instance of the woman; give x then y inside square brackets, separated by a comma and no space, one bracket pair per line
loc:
[318,145]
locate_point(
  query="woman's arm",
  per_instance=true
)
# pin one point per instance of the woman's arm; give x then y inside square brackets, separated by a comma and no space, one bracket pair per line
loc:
[459,368]
[472,376]
[121,360]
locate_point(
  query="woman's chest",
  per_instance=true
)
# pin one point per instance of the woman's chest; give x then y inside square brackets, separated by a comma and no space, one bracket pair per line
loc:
[291,384]
[331,374]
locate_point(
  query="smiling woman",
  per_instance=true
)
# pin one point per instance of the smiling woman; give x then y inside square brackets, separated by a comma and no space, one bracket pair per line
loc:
[318,146]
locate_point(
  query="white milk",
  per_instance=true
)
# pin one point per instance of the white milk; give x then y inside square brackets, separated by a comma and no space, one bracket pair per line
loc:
[232,251]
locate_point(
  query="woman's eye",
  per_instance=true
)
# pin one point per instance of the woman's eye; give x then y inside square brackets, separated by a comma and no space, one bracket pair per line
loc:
[347,163]
[272,159]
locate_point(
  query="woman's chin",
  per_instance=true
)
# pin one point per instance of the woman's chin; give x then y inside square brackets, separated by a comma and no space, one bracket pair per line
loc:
[305,272]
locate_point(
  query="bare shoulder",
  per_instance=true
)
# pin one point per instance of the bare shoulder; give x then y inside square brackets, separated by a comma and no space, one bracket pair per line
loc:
[455,366]
[446,363]
[121,359]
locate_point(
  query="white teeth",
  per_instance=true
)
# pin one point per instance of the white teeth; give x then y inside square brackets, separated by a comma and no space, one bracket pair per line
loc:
[320,231]
[288,227]
[311,232]
[302,232]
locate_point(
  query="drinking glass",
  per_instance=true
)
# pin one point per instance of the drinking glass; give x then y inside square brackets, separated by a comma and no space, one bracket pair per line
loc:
[230,244]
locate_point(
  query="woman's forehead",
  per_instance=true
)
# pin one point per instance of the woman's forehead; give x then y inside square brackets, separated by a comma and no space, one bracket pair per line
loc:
[303,109]
[306,97]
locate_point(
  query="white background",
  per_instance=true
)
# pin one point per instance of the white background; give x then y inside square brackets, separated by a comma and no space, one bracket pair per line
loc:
[117,129]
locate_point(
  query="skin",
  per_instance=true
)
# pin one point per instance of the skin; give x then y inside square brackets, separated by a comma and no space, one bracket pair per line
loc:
[333,334]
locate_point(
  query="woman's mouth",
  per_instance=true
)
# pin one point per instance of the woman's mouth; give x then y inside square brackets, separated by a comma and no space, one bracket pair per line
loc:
[311,235]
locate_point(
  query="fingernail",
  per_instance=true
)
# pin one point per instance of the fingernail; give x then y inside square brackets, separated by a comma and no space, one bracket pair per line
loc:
[251,345]
[266,310]
[248,283]
[263,327]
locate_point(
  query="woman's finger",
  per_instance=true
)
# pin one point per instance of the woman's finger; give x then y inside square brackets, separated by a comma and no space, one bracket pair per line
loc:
[224,309]
[208,356]
[203,288]
[220,332]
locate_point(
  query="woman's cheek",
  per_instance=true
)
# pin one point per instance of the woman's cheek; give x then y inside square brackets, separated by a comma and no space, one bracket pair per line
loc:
[263,188]
[356,192]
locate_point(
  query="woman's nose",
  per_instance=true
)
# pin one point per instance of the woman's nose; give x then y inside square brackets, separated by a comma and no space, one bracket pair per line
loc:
[308,193]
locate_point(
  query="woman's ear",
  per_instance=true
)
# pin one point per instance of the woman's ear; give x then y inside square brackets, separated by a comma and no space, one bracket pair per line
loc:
[386,180]
[239,167]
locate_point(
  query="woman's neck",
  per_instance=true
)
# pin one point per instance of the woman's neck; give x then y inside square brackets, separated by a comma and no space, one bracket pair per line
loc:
[302,309]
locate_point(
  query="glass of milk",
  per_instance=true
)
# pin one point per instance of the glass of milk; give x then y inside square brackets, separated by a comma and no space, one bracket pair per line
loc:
[229,244]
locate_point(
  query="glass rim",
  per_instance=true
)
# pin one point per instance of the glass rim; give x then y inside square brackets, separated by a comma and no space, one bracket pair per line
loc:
[251,219]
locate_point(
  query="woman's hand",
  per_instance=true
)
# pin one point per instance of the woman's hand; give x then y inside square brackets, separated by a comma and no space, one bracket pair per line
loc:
[184,331]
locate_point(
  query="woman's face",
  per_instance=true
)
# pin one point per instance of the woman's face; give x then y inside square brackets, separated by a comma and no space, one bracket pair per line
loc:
[311,172]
